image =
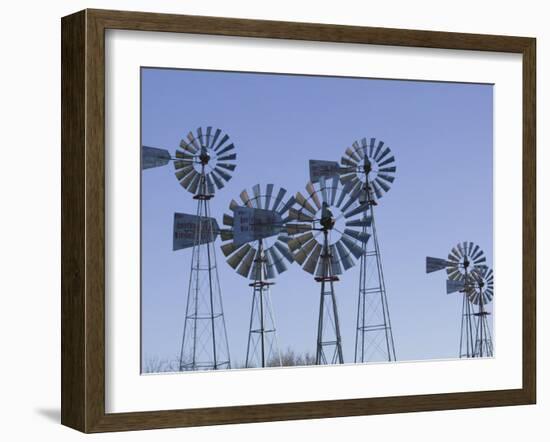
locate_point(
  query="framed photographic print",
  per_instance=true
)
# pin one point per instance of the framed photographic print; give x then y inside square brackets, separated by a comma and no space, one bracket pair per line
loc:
[269,220]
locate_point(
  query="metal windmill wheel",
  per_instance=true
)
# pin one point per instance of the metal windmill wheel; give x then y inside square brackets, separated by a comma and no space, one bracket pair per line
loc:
[331,212]
[328,209]
[257,249]
[463,265]
[207,155]
[368,162]
[260,217]
[480,290]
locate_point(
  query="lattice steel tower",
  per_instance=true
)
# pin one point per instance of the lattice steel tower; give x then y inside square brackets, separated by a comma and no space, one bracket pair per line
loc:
[258,251]
[368,172]
[329,210]
[465,261]
[203,163]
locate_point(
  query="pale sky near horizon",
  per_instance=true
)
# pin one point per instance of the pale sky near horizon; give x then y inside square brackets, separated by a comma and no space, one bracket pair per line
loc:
[441,135]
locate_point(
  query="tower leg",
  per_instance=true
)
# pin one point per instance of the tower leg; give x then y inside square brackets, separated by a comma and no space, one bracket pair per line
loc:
[373,336]
[263,347]
[329,339]
[204,343]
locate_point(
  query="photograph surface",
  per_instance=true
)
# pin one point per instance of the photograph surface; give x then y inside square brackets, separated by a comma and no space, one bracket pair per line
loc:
[294,220]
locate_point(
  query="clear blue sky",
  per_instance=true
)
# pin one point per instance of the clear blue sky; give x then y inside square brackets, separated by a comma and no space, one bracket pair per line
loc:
[441,135]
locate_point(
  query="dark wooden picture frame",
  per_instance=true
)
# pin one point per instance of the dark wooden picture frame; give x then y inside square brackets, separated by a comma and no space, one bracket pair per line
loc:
[83,220]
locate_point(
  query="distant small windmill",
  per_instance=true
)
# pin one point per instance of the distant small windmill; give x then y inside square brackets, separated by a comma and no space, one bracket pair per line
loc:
[332,240]
[203,163]
[480,292]
[257,249]
[465,267]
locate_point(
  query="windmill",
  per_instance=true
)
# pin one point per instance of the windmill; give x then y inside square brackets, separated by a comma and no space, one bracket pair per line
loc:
[257,250]
[464,265]
[203,162]
[330,239]
[480,292]
[369,171]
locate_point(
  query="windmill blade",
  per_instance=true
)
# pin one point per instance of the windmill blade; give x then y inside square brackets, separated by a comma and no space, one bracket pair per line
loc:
[257,263]
[183,172]
[283,249]
[351,153]
[270,271]
[227,148]
[222,173]
[226,235]
[245,199]
[385,152]
[246,264]
[353,248]
[193,141]
[387,161]
[348,187]
[190,230]
[180,164]
[227,220]
[392,169]
[345,256]
[323,186]
[215,138]
[359,236]
[251,224]
[199,133]
[364,222]
[371,147]
[230,167]
[313,195]
[229,248]
[377,190]
[358,150]
[334,189]
[236,258]
[268,193]
[188,147]
[287,206]
[277,259]
[319,168]
[335,266]
[348,162]
[278,198]
[354,196]
[304,251]
[435,264]
[301,200]
[296,243]
[454,274]
[382,184]
[257,197]
[359,209]
[222,142]
[294,214]
[378,149]
[210,185]
[190,177]
[217,181]
[311,263]
[388,178]
[194,185]
[208,136]
[454,286]
[293,229]
[154,157]
[231,157]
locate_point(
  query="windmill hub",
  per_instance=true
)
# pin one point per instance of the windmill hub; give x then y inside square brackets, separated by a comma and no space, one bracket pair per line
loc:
[367,167]
[204,157]
[327,220]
